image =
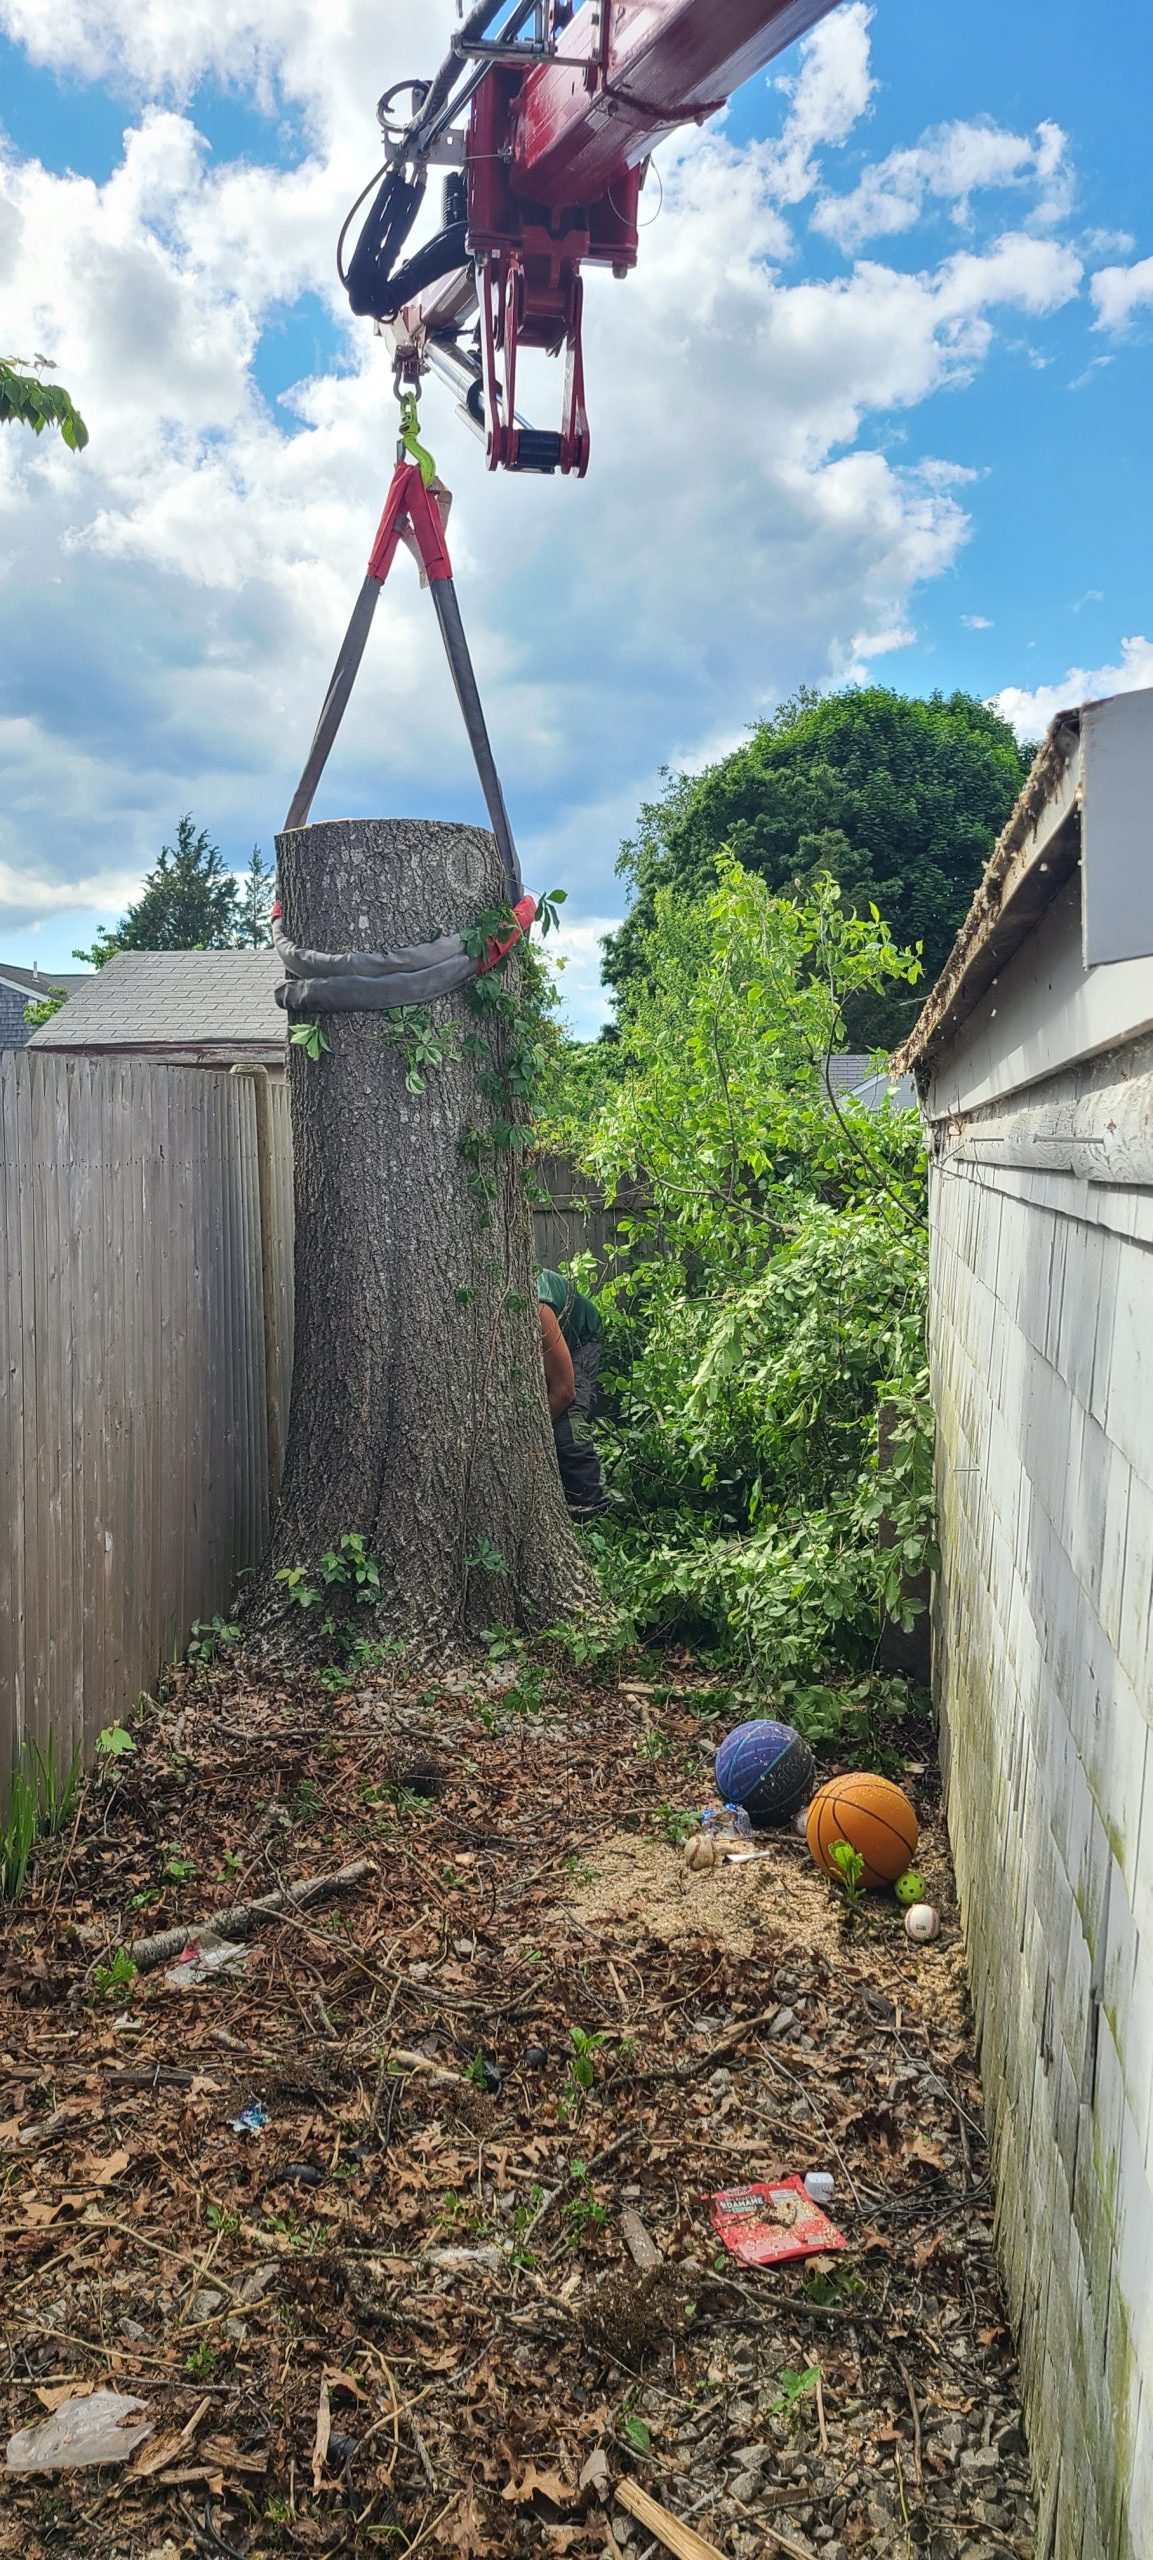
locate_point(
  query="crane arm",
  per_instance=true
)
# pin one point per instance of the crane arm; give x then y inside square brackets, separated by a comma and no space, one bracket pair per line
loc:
[627,75]
[564,110]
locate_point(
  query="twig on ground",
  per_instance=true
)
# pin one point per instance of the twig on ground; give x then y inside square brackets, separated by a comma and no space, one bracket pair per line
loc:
[916,2425]
[694,2510]
[681,2539]
[423,2452]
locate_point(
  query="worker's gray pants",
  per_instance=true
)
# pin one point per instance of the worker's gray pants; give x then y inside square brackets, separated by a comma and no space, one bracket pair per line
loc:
[580,1467]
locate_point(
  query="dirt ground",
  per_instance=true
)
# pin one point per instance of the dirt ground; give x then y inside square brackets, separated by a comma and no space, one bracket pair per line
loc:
[403,2313]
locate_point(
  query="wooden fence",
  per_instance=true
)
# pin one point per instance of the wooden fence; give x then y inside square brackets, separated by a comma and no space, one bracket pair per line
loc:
[146,1366]
[577,1220]
[145,1345]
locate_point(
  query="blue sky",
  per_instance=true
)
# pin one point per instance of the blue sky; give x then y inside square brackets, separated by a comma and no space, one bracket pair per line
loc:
[872,406]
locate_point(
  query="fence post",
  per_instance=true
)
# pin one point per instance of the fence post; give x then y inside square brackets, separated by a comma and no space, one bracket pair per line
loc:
[268,1290]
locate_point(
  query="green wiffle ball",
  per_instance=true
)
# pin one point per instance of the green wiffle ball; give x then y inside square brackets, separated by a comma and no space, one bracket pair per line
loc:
[910,1888]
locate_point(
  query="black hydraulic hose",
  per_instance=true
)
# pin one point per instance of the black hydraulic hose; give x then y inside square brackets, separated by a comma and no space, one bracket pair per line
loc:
[379,290]
[398,201]
[374,290]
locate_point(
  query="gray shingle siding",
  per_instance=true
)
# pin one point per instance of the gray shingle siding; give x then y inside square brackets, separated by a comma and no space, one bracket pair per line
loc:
[19,987]
[14,1031]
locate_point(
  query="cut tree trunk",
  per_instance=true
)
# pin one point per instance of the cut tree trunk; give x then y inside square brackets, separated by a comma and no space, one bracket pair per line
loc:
[419,1417]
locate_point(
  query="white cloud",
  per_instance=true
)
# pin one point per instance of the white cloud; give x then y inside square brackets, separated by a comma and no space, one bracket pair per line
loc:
[1099,244]
[827,97]
[28,899]
[328,65]
[854,662]
[976,622]
[575,955]
[1119,292]
[949,165]
[1031,712]
[171,601]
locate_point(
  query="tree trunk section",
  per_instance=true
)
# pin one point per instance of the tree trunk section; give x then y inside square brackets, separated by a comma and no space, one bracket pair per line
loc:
[418,1416]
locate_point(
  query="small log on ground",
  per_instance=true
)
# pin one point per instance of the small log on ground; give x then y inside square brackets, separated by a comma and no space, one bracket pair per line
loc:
[243,1916]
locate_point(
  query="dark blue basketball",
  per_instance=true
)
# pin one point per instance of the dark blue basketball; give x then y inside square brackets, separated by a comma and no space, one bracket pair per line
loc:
[768,1768]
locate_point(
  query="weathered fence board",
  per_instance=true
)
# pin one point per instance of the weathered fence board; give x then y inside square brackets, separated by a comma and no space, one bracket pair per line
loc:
[577,1219]
[137,1266]
[278,1229]
[146,1313]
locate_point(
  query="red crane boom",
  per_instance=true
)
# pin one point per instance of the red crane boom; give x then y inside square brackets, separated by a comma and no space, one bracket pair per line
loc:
[562,119]
[627,75]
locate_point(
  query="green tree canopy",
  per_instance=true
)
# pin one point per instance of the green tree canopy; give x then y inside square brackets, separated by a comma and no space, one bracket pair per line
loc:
[771,1297]
[26,400]
[897,799]
[189,902]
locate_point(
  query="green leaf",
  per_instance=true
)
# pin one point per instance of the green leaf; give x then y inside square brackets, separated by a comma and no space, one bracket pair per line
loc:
[114,1743]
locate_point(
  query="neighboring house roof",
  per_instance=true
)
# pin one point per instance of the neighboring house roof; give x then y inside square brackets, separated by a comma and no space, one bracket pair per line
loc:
[192,1007]
[899,1092]
[38,983]
[845,1073]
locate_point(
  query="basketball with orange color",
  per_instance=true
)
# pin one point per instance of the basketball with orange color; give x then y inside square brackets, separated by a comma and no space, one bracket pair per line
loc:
[873,1816]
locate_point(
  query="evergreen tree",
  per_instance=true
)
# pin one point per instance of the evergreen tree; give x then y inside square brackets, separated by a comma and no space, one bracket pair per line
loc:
[190,902]
[255,912]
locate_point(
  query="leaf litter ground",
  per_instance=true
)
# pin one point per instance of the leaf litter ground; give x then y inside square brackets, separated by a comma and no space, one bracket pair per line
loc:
[404,2315]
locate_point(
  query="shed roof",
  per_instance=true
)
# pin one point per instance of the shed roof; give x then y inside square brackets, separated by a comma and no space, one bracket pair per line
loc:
[1038,848]
[198,1004]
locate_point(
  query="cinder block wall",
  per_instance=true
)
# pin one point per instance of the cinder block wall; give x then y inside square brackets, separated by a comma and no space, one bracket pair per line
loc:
[1042,1326]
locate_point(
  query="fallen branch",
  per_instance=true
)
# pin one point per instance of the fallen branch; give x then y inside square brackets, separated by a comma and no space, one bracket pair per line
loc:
[773,2308]
[243,1916]
[680,2538]
[676,2537]
[690,2068]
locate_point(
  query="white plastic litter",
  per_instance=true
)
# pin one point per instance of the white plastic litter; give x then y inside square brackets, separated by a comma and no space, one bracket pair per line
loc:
[204,1956]
[820,2186]
[80,2432]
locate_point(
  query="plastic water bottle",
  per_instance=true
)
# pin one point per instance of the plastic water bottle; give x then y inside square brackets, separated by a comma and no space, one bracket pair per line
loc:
[730,1823]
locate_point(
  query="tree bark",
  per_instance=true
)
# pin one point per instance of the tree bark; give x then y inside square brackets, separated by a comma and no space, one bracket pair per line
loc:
[418,1412]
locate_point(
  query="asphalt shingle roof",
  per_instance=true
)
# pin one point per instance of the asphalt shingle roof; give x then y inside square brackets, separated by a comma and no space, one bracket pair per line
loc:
[41,982]
[173,1000]
[846,1072]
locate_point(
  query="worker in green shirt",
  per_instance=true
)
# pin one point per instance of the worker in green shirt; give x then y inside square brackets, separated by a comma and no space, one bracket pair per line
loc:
[580,1324]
